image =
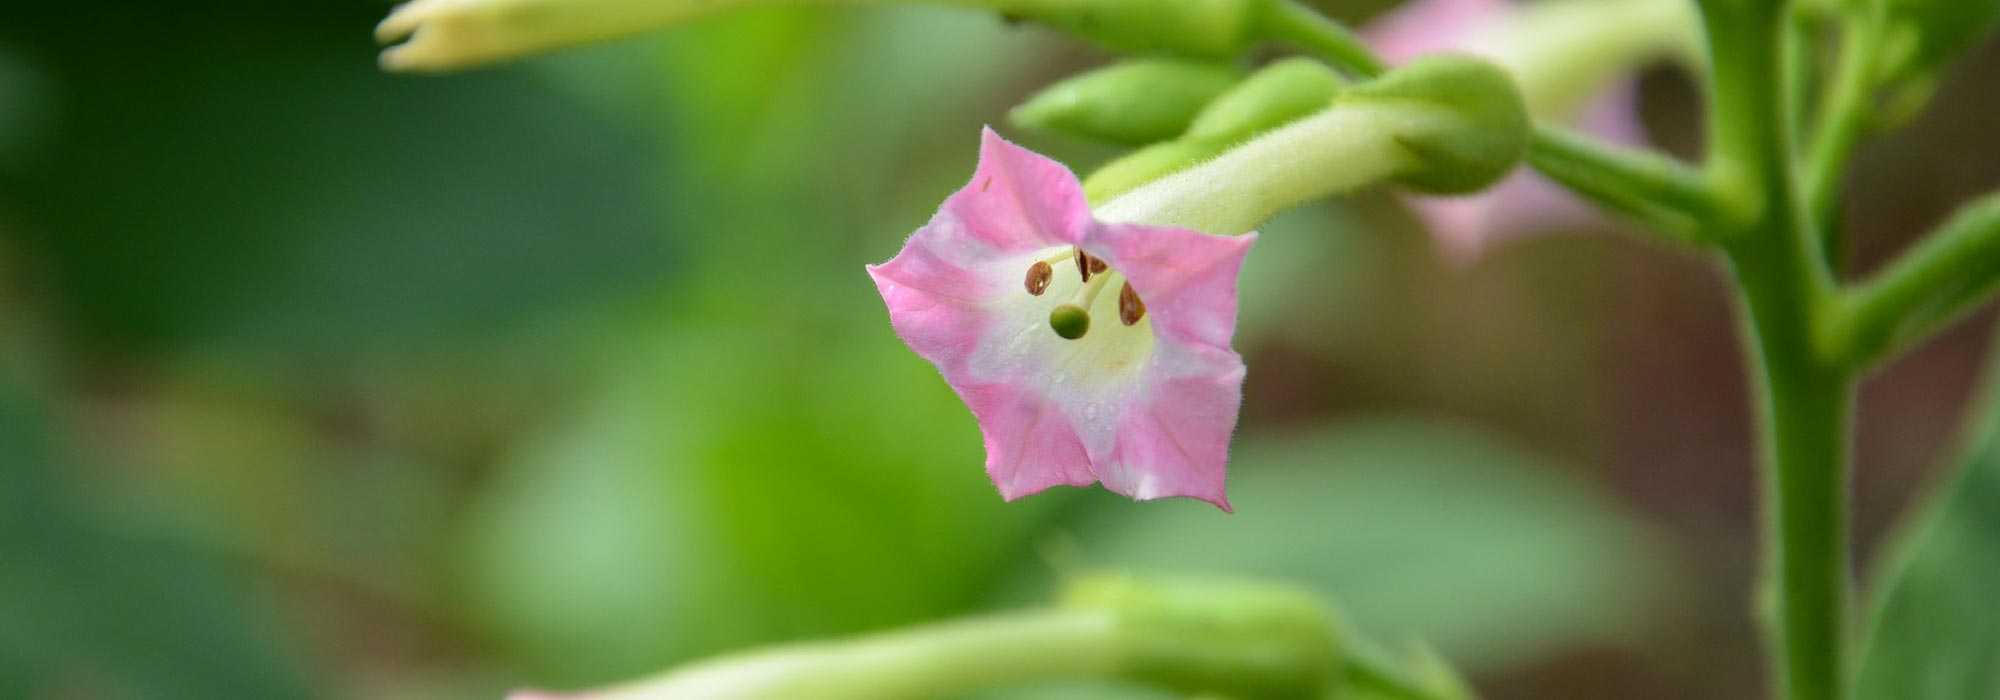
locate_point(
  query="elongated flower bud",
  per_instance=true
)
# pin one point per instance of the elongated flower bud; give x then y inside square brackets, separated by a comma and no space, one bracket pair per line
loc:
[1241,639]
[1206,28]
[1271,97]
[1477,126]
[1133,102]
[1279,93]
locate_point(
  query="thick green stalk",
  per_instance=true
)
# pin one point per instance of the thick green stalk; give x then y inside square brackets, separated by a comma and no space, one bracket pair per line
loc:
[1804,397]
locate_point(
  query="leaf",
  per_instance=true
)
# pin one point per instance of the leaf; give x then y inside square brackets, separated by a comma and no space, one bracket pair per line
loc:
[1417,530]
[1935,622]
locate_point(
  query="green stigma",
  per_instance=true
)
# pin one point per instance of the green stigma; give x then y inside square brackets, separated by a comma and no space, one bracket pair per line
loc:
[1070,321]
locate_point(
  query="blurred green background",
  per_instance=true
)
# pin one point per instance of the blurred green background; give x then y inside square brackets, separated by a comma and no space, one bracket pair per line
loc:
[317,382]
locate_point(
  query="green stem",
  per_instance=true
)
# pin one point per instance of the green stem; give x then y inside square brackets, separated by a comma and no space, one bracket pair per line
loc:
[1844,118]
[1652,187]
[1804,399]
[1945,275]
[1290,22]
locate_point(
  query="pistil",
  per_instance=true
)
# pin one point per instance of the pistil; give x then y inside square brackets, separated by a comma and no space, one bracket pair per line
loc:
[1072,320]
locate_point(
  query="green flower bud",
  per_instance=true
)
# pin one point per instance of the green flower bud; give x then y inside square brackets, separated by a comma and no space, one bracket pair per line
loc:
[1923,36]
[1146,165]
[1279,93]
[1207,28]
[1134,102]
[1270,98]
[1245,640]
[1468,126]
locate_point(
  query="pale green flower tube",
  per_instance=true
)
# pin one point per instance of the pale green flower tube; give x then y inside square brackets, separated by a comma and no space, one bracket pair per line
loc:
[1246,640]
[1440,124]
[443,35]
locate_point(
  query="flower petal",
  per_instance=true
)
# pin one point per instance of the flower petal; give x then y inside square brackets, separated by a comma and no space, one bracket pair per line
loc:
[1430,26]
[1147,408]
[1019,199]
[1187,278]
[1177,442]
[1031,438]
[938,287]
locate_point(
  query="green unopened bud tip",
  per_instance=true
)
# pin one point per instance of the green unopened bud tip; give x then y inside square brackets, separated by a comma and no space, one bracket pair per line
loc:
[1470,127]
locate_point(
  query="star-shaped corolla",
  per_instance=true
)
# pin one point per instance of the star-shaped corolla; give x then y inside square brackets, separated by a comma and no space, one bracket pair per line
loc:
[1090,352]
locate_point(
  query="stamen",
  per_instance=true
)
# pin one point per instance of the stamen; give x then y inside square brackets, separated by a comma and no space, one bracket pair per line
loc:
[1130,307]
[1039,275]
[1082,263]
[1070,321]
[1097,265]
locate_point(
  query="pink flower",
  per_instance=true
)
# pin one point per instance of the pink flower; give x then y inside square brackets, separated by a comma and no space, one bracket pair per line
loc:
[1524,203]
[1089,351]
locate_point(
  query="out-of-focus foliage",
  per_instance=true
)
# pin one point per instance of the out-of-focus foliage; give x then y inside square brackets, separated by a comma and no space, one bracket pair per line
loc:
[249,178]
[1935,628]
[99,605]
[1414,514]
[353,385]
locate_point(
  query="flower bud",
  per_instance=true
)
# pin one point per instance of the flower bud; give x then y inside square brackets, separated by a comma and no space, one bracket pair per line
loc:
[1466,123]
[1279,93]
[1206,28]
[1923,36]
[1134,102]
[1271,97]
[1245,640]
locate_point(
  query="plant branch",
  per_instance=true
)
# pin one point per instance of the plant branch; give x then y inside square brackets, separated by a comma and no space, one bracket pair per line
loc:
[1293,23]
[1845,113]
[1805,400]
[1654,188]
[1951,271]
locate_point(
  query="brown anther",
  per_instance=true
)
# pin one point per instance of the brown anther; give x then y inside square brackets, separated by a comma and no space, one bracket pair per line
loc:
[1039,275]
[1097,265]
[1082,263]
[1130,307]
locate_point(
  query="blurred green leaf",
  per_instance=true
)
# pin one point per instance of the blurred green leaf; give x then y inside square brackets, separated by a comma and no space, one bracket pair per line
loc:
[729,488]
[1935,629]
[128,617]
[1417,530]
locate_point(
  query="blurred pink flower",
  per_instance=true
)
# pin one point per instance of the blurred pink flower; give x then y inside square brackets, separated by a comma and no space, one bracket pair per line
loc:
[1088,351]
[1524,203]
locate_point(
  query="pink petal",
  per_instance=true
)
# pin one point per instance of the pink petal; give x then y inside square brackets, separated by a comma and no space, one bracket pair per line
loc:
[1147,409]
[1017,202]
[1187,278]
[1031,441]
[1429,26]
[1019,199]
